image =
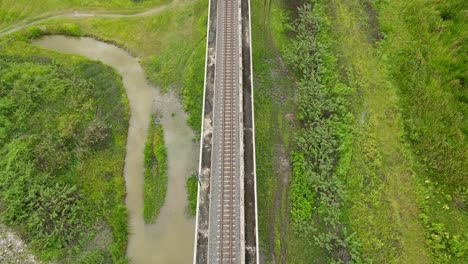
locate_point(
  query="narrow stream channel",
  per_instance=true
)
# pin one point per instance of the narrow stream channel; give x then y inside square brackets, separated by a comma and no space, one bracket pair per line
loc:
[170,239]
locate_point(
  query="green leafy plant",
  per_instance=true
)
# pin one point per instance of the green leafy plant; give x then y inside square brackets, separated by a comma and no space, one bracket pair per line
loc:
[155,176]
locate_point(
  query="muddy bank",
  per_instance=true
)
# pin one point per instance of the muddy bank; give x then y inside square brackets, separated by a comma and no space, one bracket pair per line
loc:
[13,249]
[170,239]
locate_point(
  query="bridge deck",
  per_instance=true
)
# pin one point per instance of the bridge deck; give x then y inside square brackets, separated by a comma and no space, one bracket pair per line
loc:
[226,229]
[224,239]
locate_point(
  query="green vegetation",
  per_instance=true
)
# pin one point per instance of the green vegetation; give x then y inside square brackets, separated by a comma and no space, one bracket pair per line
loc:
[395,196]
[316,193]
[274,129]
[170,44]
[379,170]
[192,189]
[155,179]
[173,38]
[434,95]
[171,47]
[360,128]
[61,173]
[14,11]
[381,206]
[429,69]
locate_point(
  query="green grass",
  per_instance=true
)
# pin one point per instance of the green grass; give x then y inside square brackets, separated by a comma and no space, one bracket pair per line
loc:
[191,186]
[408,100]
[429,45]
[382,207]
[61,172]
[174,39]
[12,12]
[403,168]
[274,127]
[155,176]
[388,207]
[171,48]
[170,45]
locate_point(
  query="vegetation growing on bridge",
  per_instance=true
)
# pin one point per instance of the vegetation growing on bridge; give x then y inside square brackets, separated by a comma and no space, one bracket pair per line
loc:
[61,181]
[192,189]
[155,176]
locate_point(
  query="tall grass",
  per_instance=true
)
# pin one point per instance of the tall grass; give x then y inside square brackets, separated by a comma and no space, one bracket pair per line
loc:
[398,186]
[274,129]
[155,176]
[191,186]
[427,58]
[163,35]
[61,169]
[13,12]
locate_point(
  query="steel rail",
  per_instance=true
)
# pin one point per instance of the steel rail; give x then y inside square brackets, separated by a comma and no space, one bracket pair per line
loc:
[228,140]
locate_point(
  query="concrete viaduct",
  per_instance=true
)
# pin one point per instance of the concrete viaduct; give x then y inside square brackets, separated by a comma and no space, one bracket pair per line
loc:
[226,222]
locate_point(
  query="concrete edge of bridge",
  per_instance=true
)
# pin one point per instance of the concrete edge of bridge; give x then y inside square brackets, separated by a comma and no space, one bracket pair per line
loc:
[200,254]
[250,230]
[257,253]
[241,137]
[250,180]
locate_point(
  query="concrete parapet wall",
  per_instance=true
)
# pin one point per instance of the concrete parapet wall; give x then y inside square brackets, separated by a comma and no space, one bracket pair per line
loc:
[250,190]
[203,202]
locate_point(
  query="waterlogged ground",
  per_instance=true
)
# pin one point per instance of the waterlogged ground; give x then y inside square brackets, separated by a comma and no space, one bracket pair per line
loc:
[170,239]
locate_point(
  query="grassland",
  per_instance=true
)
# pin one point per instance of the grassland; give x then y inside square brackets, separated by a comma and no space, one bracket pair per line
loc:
[170,45]
[402,164]
[410,147]
[155,175]
[429,69]
[61,173]
[274,129]
[21,11]
[173,39]
[382,193]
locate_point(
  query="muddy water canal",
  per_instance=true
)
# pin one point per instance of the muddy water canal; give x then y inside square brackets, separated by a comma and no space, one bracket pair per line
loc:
[170,239]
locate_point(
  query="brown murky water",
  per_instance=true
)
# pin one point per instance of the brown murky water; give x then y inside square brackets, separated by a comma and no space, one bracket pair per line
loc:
[170,239]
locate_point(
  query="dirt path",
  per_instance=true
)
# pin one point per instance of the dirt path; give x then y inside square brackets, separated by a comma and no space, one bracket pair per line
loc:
[280,93]
[101,14]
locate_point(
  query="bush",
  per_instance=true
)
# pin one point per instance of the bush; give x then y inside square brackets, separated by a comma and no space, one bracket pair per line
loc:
[59,159]
[155,177]
[191,186]
[315,189]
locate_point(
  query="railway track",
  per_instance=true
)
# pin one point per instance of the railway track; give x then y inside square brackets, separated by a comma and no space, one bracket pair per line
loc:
[227,236]
[227,152]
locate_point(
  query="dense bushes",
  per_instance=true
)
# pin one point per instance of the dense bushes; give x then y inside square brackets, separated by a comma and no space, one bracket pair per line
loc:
[155,176]
[62,142]
[316,195]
